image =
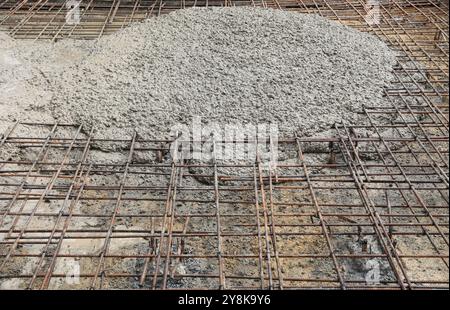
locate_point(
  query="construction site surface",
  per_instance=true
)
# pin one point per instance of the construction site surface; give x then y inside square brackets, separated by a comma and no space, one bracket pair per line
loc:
[366,207]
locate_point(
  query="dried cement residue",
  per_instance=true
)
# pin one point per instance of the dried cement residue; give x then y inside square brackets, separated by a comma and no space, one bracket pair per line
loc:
[226,65]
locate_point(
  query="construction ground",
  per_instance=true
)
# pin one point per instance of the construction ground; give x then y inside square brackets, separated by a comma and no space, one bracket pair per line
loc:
[362,205]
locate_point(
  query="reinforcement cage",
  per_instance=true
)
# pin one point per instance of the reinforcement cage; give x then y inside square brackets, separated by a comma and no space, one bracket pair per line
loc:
[363,208]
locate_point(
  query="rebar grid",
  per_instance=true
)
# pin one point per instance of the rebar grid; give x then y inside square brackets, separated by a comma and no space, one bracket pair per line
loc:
[46,19]
[366,198]
[386,195]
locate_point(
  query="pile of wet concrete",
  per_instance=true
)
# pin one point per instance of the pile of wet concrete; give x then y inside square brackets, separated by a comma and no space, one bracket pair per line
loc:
[225,65]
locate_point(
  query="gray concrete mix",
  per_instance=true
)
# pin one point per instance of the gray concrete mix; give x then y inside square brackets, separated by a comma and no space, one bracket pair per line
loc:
[226,65]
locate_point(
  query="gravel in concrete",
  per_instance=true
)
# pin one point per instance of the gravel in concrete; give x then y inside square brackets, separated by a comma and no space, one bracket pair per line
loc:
[226,65]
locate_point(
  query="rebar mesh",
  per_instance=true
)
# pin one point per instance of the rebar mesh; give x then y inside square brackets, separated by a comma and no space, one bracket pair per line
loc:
[366,198]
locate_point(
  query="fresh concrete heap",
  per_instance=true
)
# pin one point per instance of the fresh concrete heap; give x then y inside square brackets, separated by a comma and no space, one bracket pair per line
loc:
[26,71]
[22,86]
[226,65]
